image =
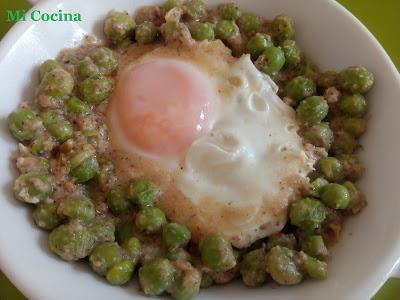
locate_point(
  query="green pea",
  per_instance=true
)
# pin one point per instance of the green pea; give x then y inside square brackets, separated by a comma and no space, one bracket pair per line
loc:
[133,248]
[87,68]
[319,135]
[318,183]
[352,167]
[106,59]
[61,131]
[119,26]
[75,105]
[71,241]
[282,267]
[106,176]
[146,33]
[22,122]
[117,201]
[344,144]
[121,272]
[327,79]
[187,283]
[84,166]
[335,196]
[92,133]
[37,145]
[292,53]
[299,88]
[257,45]
[331,168]
[150,220]
[175,235]
[156,276]
[316,269]
[202,31]
[356,80]
[226,29]
[78,207]
[124,231]
[143,193]
[312,110]
[48,66]
[170,4]
[272,60]
[172,27]
[77,159]
[283,28]
[46,217]
[355,196]
[314,245]
[249,23]
[355,126]
[57,83]
[34,164]
[103,229]
[206,280]
[217,253]
[50,116]
[32,188]
[307,213]
[96,89]
[92,136]
[281,239]
[195,9]
[104,256]
[253,268]
[179,255]
[230,11]
[354,105]
[71,57]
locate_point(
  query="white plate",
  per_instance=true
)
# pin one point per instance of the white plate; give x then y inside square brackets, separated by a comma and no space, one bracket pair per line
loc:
[333,38]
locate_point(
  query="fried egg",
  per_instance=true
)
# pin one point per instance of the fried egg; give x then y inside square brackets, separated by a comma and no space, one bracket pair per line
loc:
[211,132]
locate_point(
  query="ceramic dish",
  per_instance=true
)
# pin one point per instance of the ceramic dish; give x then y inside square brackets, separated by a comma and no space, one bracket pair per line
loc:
[332,37]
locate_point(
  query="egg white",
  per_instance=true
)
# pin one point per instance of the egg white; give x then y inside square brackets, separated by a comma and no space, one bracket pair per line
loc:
[241,176]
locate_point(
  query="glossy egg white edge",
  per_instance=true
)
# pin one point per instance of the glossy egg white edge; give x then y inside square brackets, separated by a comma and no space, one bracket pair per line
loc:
[333,38]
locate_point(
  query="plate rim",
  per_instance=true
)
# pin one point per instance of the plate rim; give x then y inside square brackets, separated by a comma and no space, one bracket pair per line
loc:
[15,33]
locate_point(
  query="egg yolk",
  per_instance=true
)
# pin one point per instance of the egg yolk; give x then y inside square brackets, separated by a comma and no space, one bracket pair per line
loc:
[163,106]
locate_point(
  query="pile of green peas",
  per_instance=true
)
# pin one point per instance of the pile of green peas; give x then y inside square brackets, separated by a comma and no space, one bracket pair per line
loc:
[116,242]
